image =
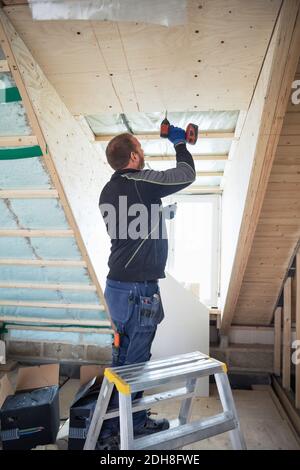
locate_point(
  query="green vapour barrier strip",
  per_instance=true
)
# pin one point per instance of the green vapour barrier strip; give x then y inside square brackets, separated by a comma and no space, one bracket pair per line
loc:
[20,152]
[3,328]
[7,95]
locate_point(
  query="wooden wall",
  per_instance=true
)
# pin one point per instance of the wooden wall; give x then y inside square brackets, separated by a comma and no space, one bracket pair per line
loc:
[278,229]
[254,157]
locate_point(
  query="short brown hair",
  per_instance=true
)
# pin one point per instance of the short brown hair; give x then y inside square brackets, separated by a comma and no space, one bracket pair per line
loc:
[119,149]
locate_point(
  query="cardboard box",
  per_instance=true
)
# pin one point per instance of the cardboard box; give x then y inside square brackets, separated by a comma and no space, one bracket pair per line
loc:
[82,408]
[30,416]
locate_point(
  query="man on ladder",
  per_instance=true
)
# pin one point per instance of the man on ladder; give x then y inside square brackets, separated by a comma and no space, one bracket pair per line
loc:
[138,258]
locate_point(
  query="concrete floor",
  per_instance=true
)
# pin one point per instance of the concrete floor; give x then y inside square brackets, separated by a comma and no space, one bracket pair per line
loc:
[263,422]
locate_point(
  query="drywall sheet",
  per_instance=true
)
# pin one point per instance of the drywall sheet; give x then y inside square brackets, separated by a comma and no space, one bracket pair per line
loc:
[185,327]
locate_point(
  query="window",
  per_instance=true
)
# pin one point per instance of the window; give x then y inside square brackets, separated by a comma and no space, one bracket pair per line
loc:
[194,240]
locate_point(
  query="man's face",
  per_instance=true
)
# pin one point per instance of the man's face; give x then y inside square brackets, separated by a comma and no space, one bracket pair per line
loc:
[140,153]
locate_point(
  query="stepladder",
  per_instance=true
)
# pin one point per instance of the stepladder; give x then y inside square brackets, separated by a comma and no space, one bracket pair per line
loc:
[178,375]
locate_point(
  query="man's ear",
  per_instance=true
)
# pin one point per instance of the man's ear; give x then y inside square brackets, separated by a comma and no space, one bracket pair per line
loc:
[133,156]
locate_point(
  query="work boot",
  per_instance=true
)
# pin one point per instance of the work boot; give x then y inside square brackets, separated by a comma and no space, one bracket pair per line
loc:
[152,426]
[108,443]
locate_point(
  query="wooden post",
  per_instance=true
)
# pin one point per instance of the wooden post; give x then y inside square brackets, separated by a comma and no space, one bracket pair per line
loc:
[297,389]
[277,341]
[286,361]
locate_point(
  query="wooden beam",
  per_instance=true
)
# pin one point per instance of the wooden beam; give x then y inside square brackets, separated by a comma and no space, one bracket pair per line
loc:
[297,366]
[156,136]
[47,286]
[43,262]
[15,2]
[90,328]
[18,141]
[205,157]
[5,44]
[263,123]
[37,233]
[277,341]
[287,404]
[23,303]
[209,173]
[53,321]
[28,194]
[287,318]
[4,67]
[202,189]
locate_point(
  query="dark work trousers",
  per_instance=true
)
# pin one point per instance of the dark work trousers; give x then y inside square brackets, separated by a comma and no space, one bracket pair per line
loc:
[135,314]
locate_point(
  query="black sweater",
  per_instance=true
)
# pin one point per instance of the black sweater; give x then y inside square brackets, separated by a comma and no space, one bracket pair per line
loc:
[142,258]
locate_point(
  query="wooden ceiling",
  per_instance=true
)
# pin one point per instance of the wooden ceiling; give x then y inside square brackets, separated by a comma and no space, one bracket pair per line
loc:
[212,62]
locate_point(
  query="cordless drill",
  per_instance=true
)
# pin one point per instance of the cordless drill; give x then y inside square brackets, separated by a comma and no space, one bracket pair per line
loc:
[191,132]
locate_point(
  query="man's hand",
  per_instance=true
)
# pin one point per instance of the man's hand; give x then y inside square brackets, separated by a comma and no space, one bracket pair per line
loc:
[176,135]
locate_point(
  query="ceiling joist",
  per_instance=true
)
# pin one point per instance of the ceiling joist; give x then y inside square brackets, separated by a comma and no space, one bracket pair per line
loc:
[28,194]
[18,141]
[37,233]
[23,303]
[4,67]
[47,286]
[213,157]
[156,136]
[43,262]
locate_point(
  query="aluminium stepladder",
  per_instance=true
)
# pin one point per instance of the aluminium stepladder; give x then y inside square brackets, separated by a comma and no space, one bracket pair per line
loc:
[148,375]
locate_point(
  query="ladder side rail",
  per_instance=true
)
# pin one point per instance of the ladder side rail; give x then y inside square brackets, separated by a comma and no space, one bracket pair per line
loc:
[98,415]
[126,422]
[225,393]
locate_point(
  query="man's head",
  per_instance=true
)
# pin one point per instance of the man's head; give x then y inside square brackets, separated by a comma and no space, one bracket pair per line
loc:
[125,151]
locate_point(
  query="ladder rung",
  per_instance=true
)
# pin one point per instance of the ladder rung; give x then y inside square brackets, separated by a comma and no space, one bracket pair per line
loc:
[187,434]
[145,402]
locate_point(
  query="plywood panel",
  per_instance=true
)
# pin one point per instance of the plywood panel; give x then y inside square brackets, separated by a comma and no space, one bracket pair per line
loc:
[88,91]
[149,65]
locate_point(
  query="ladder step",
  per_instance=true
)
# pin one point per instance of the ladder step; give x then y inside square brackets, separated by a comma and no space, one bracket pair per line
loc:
[160,363]
[147,401]
[187,434]
[177,368]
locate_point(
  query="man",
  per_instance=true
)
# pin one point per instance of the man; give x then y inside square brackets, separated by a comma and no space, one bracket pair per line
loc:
[139,249]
